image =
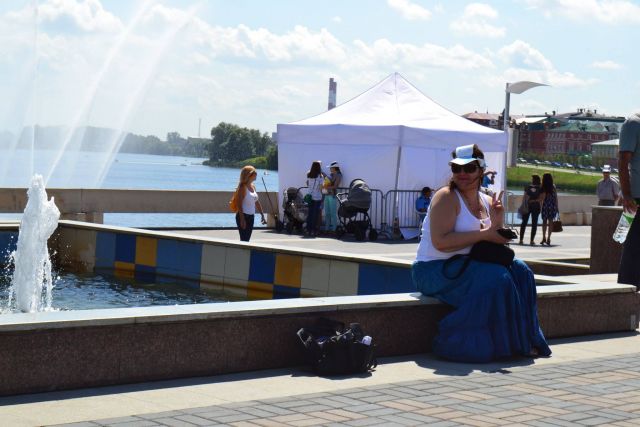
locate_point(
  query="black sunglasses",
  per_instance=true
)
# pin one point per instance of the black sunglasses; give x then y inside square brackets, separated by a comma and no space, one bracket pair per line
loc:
[468,168]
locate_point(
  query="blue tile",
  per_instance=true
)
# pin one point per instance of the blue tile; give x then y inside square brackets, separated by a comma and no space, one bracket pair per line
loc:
[381,279]
[187,283]
[8,244]
[126,248]
[144,273]
[400,280]
[371,279]
[177,258]
[282,292]
[105,250]
[262,267]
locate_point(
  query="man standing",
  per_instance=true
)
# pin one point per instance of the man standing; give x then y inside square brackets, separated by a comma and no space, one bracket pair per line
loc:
[607,189]
[629,271]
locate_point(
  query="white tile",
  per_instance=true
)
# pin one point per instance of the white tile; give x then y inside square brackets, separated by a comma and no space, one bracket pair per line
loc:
[237,263]
[236,287]
[213,260]
[343,278]
[315,275]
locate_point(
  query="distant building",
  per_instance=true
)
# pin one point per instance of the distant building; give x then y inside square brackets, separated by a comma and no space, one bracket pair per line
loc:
[484,119]
[570,133]
[606,152]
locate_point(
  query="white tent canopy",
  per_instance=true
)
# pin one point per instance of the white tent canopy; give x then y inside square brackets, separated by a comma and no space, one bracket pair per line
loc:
[392,136]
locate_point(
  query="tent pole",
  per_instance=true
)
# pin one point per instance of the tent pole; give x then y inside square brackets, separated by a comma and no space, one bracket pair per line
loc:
[395,193]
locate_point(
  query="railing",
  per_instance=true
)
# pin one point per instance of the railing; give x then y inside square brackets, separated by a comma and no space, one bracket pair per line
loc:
[401,205]
[90,204]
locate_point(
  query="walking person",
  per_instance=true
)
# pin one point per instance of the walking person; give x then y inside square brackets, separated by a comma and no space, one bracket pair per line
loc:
[532,197]
[315,179]
[494,306]
[629,272]
[330,202]
[245,202]
[549,207]
[607,188]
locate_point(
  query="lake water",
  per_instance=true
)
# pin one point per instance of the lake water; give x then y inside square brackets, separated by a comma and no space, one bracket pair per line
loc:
[140,171]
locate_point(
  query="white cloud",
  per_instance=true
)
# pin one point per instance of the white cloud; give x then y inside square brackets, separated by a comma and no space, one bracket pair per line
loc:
[88,15]
[606,65]
[528,63]
[383,51]
[337,19]
[605,11]
[245,42]
[475,22]
[410,11]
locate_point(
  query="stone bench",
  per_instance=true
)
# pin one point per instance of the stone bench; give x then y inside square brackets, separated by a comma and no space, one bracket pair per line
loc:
[63,350]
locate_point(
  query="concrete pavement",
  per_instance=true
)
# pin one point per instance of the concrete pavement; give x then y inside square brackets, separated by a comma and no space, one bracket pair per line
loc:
[587,381]
[573,242]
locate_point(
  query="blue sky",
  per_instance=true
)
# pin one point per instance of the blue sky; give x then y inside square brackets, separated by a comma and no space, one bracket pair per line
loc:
[153,67]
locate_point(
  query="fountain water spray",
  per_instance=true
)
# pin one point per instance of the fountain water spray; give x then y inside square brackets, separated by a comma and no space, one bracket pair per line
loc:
[32,272]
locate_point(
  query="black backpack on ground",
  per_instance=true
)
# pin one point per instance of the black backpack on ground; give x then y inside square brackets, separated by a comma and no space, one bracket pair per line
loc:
[332,350]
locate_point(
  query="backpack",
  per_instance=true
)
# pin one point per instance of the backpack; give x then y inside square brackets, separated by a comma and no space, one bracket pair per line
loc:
[332,350]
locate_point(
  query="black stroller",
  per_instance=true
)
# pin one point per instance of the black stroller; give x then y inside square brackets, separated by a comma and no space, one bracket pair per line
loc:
[295,210]
[353,211]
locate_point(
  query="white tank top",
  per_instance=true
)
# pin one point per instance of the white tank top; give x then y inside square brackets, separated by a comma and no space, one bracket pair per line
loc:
[249,202]
[465,221]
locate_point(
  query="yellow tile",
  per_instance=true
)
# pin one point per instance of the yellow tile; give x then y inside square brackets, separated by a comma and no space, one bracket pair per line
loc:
[146,250]
[124,269]
[259,290]
[288,270]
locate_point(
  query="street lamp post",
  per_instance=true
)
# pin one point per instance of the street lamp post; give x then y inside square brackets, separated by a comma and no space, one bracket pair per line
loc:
[517,88]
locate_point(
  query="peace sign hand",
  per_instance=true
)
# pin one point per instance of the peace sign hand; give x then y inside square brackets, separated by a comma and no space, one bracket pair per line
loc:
[497,210]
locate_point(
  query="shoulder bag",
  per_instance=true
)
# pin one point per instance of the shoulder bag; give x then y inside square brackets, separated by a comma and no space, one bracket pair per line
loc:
[483,251]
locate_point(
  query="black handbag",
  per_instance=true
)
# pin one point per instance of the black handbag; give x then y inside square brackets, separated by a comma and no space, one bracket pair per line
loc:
[332,350]
[483,251]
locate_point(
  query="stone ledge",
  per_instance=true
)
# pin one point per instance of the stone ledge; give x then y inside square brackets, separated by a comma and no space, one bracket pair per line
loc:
[118,346]
[247,309]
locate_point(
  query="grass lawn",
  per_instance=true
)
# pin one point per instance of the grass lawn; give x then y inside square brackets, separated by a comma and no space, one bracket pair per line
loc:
[565,181]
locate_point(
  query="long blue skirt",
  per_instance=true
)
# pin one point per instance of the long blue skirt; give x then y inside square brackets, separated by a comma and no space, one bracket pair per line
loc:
[495,312]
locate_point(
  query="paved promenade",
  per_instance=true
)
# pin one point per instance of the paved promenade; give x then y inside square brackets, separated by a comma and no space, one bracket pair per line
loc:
[573,242]
[588,381]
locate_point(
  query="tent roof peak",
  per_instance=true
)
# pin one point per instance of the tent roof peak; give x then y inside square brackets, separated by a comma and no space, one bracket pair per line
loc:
[393,101]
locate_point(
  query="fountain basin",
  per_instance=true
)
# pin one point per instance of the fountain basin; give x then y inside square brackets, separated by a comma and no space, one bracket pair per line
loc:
[87,348]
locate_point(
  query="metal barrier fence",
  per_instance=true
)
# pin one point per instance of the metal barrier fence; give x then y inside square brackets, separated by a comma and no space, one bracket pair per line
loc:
[401,205]
[376,211]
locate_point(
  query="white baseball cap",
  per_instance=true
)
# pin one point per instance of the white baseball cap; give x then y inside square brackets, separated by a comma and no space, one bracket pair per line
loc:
[464,155]
[606,168]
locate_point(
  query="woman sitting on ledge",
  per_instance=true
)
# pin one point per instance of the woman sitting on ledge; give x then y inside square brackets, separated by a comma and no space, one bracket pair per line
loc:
[495,311]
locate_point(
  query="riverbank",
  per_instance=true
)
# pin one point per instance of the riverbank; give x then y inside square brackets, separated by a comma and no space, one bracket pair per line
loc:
[565,181]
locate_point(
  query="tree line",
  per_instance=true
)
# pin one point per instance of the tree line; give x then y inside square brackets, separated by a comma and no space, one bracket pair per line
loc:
[235,146]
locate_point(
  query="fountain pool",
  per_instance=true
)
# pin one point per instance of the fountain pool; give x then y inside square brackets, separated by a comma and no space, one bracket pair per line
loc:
[87,292]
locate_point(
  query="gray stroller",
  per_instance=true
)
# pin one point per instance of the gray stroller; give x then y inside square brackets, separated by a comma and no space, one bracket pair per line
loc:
[353,211]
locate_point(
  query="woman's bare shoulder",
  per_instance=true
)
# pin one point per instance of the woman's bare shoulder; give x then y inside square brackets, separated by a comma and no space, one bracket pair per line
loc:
[444,195]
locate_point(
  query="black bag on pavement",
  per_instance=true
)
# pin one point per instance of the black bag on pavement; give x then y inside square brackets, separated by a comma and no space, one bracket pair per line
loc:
[332,350]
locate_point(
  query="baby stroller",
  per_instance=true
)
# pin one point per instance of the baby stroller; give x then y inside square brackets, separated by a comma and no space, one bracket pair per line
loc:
[353,211]
[295,210]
